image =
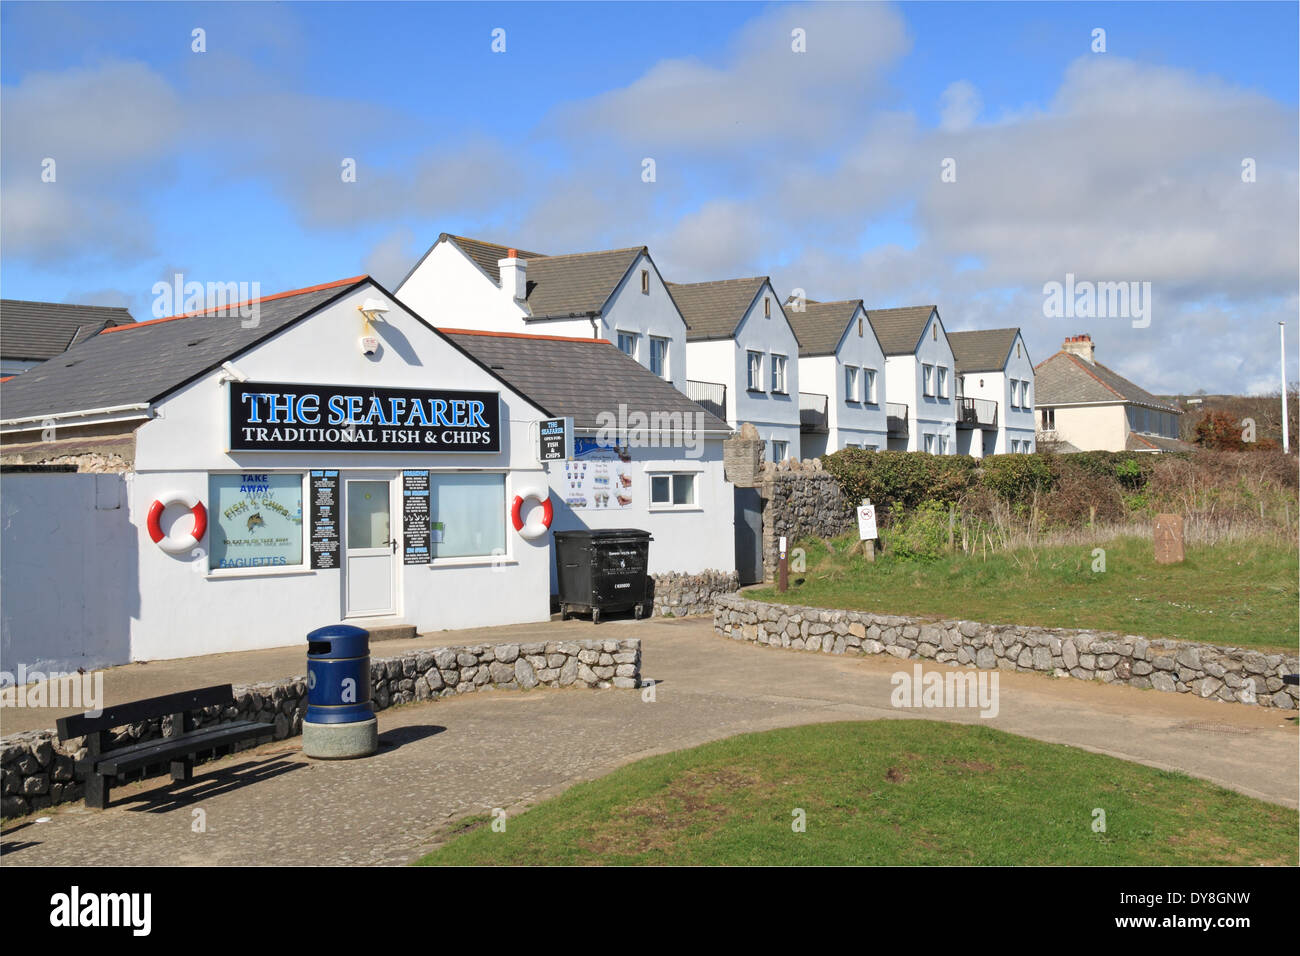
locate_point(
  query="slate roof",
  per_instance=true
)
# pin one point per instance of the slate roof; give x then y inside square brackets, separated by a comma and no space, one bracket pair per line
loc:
[899,331]
[713,310]
[577,377]
[576,284]
[36,331]
[984,350]
[556,286]
[821,325]
[141,363]
[1067,379]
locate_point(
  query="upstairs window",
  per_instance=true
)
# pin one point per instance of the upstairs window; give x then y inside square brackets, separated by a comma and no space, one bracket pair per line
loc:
[659,356]
[927,380]
[850,383]
[778,374]
[869,381]
[943,382]
[755,383]
[1047,417]
[627,343]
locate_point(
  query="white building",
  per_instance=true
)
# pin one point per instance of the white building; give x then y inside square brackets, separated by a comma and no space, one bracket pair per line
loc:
[348,462]
[841,377]
[1085,406]
[744,358]
[615,294]
[995,392]
[919,379]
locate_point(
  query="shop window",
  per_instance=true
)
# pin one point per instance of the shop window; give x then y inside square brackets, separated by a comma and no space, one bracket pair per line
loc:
[254,520]
[673,491]
[467,514]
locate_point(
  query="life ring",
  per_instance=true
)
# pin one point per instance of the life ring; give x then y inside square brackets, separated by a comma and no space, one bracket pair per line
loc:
[534,528]
[176,545]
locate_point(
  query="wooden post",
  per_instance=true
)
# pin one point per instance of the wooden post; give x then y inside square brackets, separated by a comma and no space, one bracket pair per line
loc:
[782,568]
[952,525]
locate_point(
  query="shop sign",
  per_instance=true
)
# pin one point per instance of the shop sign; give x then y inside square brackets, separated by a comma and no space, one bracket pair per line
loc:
[278,416]
[324,519]
[599,477]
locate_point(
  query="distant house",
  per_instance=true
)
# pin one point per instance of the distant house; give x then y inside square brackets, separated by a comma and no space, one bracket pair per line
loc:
[995,392]
[34,332]
[841,377]
[742,350]
[615,294]
[1085,406]
[919,373]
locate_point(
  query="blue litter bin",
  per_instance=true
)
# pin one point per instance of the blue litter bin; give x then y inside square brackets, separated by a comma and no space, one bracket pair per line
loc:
[340,721]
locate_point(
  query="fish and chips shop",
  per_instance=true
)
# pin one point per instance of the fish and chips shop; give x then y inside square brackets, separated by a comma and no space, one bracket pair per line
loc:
[333,458]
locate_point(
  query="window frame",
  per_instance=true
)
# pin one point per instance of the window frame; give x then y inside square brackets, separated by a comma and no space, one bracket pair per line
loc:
[753,373]
[666,343]
[870,395]
[851,376]
[634,337]
[673,477]
[303,566]
[927,380]
[783,362]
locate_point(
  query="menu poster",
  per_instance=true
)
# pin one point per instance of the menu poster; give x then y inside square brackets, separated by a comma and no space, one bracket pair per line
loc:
[598,478]
[415,516]
[324,519]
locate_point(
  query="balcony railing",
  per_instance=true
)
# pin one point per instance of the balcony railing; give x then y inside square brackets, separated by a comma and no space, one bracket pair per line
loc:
[977,413]
[712,395]
[896,418]
[813,413]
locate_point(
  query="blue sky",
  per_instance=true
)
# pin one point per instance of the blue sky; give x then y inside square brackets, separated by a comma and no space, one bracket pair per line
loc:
[819,169]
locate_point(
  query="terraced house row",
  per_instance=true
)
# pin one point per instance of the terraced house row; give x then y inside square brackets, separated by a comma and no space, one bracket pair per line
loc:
[813,377]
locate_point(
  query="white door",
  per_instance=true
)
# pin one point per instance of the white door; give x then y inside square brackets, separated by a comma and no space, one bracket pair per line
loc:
[369,574]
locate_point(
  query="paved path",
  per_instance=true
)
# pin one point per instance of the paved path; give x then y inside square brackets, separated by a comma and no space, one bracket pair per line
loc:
[445,759]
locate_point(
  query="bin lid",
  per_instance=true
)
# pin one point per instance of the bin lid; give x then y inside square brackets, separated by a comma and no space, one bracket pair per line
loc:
[338,641]
[604,533]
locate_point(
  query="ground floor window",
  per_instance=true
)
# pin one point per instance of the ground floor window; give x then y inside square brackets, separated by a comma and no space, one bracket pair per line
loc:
[780,450]
[467,514]
[672,491]
[255,520]
[929,444]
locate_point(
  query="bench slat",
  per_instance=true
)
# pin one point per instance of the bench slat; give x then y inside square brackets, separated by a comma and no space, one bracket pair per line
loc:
[160,750]
[119,715]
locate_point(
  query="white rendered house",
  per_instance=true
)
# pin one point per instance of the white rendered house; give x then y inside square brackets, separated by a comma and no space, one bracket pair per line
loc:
[995,393]
[615,294]
[744,358]
[841,376]
[920,372]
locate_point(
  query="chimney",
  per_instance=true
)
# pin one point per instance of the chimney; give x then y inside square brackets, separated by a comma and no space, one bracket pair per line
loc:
[1081,345]
[514,275]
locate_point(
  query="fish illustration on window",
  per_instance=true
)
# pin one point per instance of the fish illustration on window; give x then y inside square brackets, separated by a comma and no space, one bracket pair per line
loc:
[255,521]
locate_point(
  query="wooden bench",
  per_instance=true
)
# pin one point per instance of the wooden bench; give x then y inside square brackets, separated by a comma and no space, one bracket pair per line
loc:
[105,762]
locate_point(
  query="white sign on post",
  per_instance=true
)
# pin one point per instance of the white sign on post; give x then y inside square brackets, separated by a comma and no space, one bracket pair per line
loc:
[867,521]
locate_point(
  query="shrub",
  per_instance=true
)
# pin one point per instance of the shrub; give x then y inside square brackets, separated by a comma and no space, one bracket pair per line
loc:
[1017,478]
[921,533]
[906,478]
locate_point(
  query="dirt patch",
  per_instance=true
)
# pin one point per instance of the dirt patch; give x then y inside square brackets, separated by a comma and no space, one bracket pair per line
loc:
[897,774]
[692,798]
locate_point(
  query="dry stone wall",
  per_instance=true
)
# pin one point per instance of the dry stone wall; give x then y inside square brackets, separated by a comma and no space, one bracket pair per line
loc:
[1232,674]
[38,770]
[679,594]
[800,500]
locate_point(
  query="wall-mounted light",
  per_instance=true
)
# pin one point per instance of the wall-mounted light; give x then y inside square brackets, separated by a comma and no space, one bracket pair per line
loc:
[373,309]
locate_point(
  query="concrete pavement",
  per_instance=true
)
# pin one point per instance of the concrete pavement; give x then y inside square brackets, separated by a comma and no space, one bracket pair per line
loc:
[445,759]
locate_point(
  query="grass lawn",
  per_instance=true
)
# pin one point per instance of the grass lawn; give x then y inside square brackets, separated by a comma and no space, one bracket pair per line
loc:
[912,792]
[1242,594]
